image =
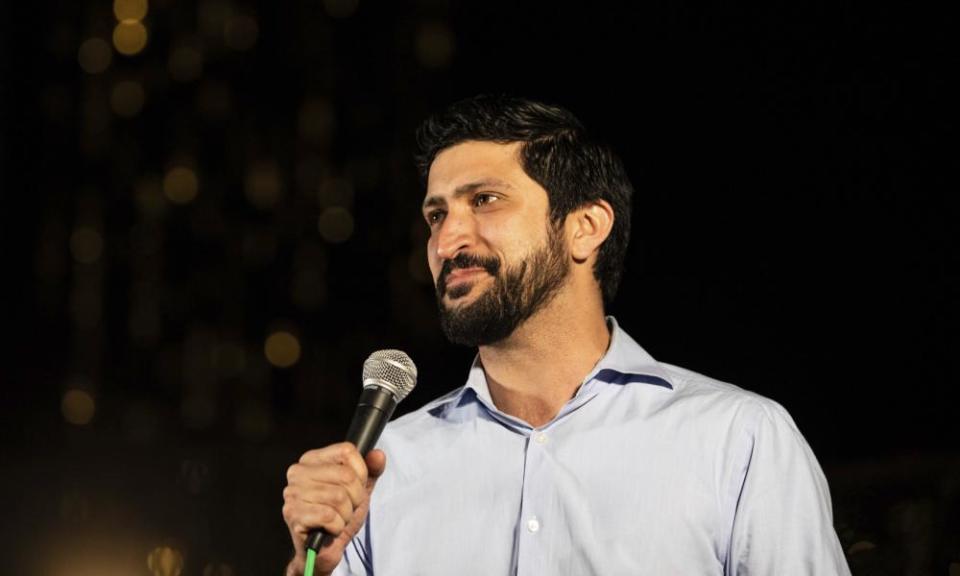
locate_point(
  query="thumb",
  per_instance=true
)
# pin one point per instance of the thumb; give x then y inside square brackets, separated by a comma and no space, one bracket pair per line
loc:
[376,463]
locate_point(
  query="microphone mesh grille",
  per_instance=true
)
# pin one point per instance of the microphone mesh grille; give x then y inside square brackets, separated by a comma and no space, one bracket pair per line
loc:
[392,370]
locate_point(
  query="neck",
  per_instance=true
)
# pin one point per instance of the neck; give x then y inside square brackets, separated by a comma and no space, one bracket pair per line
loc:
[535,371]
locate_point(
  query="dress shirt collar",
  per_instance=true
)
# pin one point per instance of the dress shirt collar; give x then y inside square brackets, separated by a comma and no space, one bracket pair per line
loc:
[625,362]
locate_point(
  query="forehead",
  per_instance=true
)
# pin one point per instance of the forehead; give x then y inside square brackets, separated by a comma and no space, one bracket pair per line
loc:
[474,161]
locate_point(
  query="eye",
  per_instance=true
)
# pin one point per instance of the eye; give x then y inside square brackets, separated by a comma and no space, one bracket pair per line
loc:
[483,199]
[434,216]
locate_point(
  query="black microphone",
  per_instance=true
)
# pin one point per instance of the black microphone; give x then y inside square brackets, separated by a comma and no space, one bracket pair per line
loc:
[388,376]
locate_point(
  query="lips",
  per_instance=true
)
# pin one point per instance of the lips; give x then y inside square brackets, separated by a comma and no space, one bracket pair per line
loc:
[464,275]
[462,270]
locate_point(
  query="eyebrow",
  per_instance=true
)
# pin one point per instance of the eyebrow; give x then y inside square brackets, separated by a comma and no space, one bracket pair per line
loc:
[465,189]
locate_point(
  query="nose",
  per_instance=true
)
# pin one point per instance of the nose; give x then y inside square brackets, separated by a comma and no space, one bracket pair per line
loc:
[455,234]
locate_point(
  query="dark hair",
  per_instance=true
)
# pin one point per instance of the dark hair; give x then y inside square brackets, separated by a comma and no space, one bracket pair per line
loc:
[556,152]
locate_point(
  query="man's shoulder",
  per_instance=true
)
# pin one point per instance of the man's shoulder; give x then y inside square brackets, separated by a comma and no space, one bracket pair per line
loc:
[708,395]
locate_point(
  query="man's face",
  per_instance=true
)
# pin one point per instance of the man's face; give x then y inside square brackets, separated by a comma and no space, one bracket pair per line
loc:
[495,257]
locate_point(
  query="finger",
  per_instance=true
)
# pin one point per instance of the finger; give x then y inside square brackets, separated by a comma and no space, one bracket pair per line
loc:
[376,461]
[340,453]
[334,496]
[306,476]
[304,519]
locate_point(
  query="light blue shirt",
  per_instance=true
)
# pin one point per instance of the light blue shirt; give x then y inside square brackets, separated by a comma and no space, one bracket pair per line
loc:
[648,469]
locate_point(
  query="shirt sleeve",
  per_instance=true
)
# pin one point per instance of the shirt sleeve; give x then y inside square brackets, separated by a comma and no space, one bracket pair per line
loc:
[783,522]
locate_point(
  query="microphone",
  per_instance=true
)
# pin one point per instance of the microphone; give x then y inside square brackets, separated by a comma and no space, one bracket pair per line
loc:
[388,376]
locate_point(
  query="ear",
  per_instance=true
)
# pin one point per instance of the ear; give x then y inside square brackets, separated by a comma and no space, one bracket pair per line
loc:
[587,227]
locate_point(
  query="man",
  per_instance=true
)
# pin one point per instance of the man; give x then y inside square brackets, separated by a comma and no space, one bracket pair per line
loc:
[569,450]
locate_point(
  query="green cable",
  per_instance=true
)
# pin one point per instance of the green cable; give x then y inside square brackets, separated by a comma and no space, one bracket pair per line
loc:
[311,558]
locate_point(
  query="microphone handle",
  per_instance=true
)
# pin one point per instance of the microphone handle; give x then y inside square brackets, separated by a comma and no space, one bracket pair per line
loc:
[373,411]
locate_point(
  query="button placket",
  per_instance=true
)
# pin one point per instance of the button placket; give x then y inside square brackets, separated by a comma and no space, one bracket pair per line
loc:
[531,544]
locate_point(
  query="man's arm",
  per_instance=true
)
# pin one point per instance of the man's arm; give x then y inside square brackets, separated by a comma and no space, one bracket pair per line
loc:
[784,522]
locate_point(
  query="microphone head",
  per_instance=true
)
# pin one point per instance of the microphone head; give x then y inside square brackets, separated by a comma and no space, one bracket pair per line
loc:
[391,370]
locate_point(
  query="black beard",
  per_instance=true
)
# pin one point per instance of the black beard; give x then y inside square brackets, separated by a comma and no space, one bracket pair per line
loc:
[516,295]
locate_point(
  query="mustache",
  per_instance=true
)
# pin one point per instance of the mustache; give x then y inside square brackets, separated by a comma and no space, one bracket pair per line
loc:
[491,264]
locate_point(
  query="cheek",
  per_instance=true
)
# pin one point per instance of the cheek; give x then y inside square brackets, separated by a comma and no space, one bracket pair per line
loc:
[432,261]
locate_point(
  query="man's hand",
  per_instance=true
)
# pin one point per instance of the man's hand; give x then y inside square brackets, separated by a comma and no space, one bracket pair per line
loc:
[328,488]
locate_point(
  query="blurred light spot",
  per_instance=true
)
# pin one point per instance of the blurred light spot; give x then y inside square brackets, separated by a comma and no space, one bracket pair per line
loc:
[127,97]
[308,290]
[417,266]
[165,561]
[94,55]
[259,247]
[130,9]
[253,420]
[263,186]
[96,115]
[954,569]
[309,173]
[195,475]
[218,569]
[340,8]
[185,64]
[86,245]
[240,32]
[316,120]
[336,192]
[212,16]
[230,360]
[78,407]
[214,99]
[861,546]
[149,196]
[434,45]
[180,185]
[130,37]
[282,349]
[335,224]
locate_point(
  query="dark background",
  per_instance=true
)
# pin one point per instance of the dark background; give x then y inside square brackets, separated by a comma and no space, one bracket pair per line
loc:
[792,234]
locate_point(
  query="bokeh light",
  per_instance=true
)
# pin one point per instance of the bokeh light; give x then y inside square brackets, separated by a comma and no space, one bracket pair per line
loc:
[340,8]
[165,561]
[335,224]
[180,185]
[94,55]
[336,192]
[127,98]
[434,45]
[241,32]
[149,198]
[316,120]
[185,63]
[218,569]
[282,349]
[130,37]
[230,359]
[86,245]
[78,407]
[263,185]
[130,9]
[253,420]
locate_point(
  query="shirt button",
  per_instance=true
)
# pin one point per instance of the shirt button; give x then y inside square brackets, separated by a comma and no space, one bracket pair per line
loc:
[533,524]
[540,438]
